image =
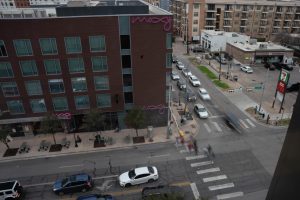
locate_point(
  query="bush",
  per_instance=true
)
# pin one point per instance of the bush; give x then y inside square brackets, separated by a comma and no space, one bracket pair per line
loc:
[221,84]
[206,71]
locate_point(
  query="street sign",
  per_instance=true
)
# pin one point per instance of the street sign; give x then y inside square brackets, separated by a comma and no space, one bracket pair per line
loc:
[258,87]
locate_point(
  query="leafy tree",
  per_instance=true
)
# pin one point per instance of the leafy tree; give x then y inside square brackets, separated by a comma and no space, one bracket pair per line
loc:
[95,121]
[4,132]
[135,119]
[51,124]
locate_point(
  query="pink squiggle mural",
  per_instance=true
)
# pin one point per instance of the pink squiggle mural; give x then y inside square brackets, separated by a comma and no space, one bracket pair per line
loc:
[166,20]
[161,108]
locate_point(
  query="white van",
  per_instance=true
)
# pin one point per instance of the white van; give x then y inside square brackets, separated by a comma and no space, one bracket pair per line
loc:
[11,190]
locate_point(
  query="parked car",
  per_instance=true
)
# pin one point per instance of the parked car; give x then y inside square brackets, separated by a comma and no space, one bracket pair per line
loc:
[269,66]
[221,60]
[179,65]
[232,122]
[174,59]
[186,72]
[247,69]
[293,88]
[96,197]
[201,111]
[287,67]
[162,192]
[191,95]
[203,94]
[194,81]
[74,183]
[181,84]
[277,66]
[198,49]
[138,176]
[11,190]
[175,76]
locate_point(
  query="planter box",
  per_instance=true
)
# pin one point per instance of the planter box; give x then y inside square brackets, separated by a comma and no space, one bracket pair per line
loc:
[97,144]
[11,152]
[138,139]
[55,148]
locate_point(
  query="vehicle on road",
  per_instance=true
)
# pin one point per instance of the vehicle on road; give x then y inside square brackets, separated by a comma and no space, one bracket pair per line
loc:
[277,66]
[162,192]
[181,84]
[174,76]
[138,176]
[287,67]
[269,66]
[10,190]
[203,94]
[179,65]
[232,122]
[201,111]
[174,59]
[197,49]
[194,81]
[74,183]
[191,95]
[186,72]
[221,60]
[96,197]
[247,69]
[293,88]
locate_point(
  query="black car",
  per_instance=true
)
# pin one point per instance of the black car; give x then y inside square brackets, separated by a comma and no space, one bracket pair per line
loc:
[191,95]
[232,121]
[73,183]
[96,197]
[287,67]
[269,66]
[277,65]
[293,88]
[198,49]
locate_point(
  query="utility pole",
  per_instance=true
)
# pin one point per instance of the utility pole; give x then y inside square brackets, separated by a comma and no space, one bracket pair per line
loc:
[220,69]
[169,114]
[187,30]
[262,94]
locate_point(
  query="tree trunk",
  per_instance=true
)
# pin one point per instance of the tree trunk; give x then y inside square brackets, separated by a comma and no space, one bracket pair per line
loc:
[54,138]
[136,131]
[6,145]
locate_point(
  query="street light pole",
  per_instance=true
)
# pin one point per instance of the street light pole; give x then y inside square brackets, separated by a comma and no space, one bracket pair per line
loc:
[262,94]
[169,110]
[220,69]
[187,30]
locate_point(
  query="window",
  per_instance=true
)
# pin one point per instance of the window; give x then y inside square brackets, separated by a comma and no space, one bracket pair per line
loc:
[33,88]
[3,52]
[101,82]
[169,60]
[82,102]
[126,62]
[128,97]
[195,29]
[48,46]
[52,66]
[60,103]
[127,80]
[15,107]
[38,105]
[195,14]
[76,65]
[103,100]
[10,89]
[99,63]
[125,41]
[73,45]
[196,6]
[28,68]
[169,41]
[195,22]
[6,70]
[97,43]
[79,84]
[56,86]
[124,25]
[23,47]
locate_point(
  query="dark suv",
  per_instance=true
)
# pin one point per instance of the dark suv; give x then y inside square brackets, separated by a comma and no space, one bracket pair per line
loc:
[270,66]
[191,95]
[73,183]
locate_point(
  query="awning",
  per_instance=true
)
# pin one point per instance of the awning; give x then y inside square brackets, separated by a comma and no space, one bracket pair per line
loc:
[21,120]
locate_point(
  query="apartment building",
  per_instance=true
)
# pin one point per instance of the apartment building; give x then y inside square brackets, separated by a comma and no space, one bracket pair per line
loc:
[257,19]
[10,4]
[104,56]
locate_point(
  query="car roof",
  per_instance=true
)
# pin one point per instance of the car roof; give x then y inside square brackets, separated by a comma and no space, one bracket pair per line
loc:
[199,105]
[7,185]
[202,89]
[141,170]
[193,76]
[79,177]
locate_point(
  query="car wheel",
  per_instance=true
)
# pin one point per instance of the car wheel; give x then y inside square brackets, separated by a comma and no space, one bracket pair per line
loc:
[83,190]
[127,185]
[150,181]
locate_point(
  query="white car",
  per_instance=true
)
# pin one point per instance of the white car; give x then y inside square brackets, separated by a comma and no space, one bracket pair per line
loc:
[194,81]
[175,76]
[138,176]
[179,65]
[247,69]
[204,94]
[201,111]
[186,72]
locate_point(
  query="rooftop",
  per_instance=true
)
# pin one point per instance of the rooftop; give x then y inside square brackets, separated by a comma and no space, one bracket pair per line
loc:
[255,2]
[259,46]
[221,33]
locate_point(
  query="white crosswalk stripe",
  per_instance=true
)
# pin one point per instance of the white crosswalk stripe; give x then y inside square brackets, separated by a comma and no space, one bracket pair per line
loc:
[217,126]
[214,178]
[199,164]
[195,190]
[195,157]
[250,122]
[204,171]
[207,127]
[186,151]
[243,123]
[229,195]
[220,187]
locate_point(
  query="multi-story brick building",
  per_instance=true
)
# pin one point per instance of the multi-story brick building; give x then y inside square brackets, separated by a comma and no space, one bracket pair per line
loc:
[107,56]
[258,19]
[10,4]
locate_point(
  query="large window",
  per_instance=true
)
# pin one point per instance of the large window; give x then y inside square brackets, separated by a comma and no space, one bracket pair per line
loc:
[101,82]
[33,88]
[6,70]
[169,60]
[82,102]
[73,45]
[28,68]
[127,80]
[52,66]
[126,61]
[169,41]
[3,52]
[60,103]
[56,86]
[23,47]
[128,97]
[48,46]
[125,41]
[99,63]
[76,65]
[79,84]
[97,43]
[38,105]
[10,89]
[103,100]
[15,107]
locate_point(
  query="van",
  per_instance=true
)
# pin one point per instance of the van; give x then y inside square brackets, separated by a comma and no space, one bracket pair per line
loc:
[11,190]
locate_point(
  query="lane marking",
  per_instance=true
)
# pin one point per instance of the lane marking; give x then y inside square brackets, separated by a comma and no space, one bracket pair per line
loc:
[186,151]
[216,116]
[250,122]
[220,187]
[199,164]
[195,157]
[195,190]
[207,127]
[243,123]
[126,192]
[214,178]
[158,156]
[229,195]
[69,166]
[181,184]
[204,171]
[217,126]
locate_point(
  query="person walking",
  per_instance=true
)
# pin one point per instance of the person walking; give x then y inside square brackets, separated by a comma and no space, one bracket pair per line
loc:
[195,147]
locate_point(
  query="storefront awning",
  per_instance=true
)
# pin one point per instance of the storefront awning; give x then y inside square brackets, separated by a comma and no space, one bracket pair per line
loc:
[21,120]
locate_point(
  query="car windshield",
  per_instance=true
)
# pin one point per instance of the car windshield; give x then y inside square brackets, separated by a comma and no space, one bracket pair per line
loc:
[204,92]
[131,174]
[151,170]
[193,78]
[202,110]
[64,181]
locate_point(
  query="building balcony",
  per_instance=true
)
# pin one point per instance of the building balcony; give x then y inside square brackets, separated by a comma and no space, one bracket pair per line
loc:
[277,19]
[227,18]
[229,26]
[210,18]
[209,26]
[211,11]
[263,19]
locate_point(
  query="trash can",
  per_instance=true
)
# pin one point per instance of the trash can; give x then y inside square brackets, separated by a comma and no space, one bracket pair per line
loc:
[235,78]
